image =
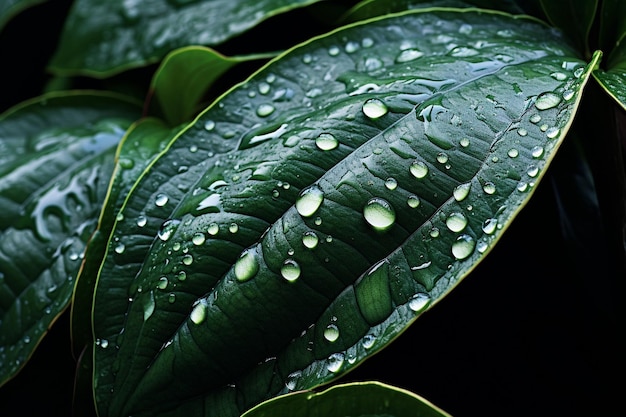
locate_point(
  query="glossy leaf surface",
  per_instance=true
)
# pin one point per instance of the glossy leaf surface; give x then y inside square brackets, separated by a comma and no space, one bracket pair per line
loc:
[325,204]
[185,75]
[141,144]
[55,165]
[102,38]
[613,82]
[371,399]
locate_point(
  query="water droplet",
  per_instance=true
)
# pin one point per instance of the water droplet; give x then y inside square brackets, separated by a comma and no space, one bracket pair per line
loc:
[309,201]
[335,362]
[310,239]
[419,301]
[148,306]
[119,217]
[182,275]
[209,125]
[553,132]
[161,200]
[442,158]
[535,118]
[162,284]
[465,29]
[418,169]
[264,110]
[171,298]
[532,171]
[578,72]
[489,187]
[326,142]
[463,52]
[374,108]
[368,341]
[464,142]
[246,266]
[408,55]
[331,333]
[119,248]
[463,247]
[513,153]
[461,191]
[367,42]
[559,76]
[413,201]
[198,314]
[264,88]
[292,380]
[233,228]
[456,222]
[522,132]
[141,220]
[213,229]
[434,232]
[290,270]
[522,186]
[391,183]
[187,259]
[104,343]
[167,229]
[568,95]
[351,47]
[307,58]
[537,152]
[198,239]
[318,221]
[379,213]
[547,100]
[489,226]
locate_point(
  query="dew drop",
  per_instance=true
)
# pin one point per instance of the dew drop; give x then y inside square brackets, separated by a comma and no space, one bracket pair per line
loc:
[418,169]
[292,380]
[489,187]
[335,362]
[391,183]
[489,226]
[246,266]
[413,201]
[568,95]
[213,229]
[374,108]
[233,228]
[532,171]
[368,341]
[553,132]
[419,301]
[367,42]
[171,298]
[167,229]
[198,239]
[148,306]
[182,275]
[161,200]
[559,76]
[522,186]
[513,153]
[290,270]
[547,101]
[461,191]
[198,314]
[408,55]
[333,51]
[537,152]
[264,110]
[310,239]
[522,132]
[379,213]
[482,246]
[434,232]
[326,142]
[209,125]
[141,220]
[162,284]
[264,88]
[187,259]
[351,47]
[535,118]
[464,142]
[119,248]
[456,222]
[463,247]
[309,201]
[331,333]
[442,158]
[318,221]
[119,217]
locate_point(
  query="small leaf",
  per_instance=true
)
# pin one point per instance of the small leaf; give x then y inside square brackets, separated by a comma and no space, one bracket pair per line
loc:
[385,157]
[574,17]
[361,399]
[55,165]
[185,75]
[613,30]
[613,82]
[103,38]
[141,144]
[10,8]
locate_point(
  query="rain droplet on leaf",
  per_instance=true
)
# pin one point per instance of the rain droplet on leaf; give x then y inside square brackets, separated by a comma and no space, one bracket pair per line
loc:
[379,213]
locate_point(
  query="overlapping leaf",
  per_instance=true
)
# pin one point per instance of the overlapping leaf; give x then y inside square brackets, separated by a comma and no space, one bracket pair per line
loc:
[309,216]
[573,17]
[10,8]
[102,38]
[55,165]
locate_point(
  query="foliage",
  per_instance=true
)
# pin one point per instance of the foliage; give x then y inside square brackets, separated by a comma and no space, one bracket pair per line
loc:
[231,218]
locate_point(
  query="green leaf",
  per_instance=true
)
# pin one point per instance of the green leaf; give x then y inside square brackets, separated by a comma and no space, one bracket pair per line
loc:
[141,144]
[185,75]
[613,82]
[10,8]
[574,17]
[613,30]
[306,234]
[103,38]
[371,399]
[56,158]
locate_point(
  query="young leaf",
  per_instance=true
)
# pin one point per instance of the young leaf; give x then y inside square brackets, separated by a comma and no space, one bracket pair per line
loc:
[185,75]
[361,399]
[103,38]
[55,165]
[327,202]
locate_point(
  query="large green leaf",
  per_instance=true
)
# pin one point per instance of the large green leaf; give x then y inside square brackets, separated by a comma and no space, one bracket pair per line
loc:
[365,399]
[185,75]
[613,82]
[56,158]
[305,234]
[102,38]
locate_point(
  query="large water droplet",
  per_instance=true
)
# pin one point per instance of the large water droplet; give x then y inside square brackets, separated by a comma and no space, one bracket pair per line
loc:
[119,248]
[233,228]
[461,191]
[198,239]
[213,229]
[463,247]
[408,55]
[379,213]
[148,306]
[374,108]
[553,132]
[331,333]
[310,239]
[209,125]
[141,220]
[290,270]
[309,201]
[161,200]
[419,301]
[335,362]
[326,142]
[489,226]
[167,229]
[391,183]
[246,266]
[418,169]
[187,259]
[198,314]
[489,187]
[264,110]
[547,100]
[162,284]
[456,222]
[413,201]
